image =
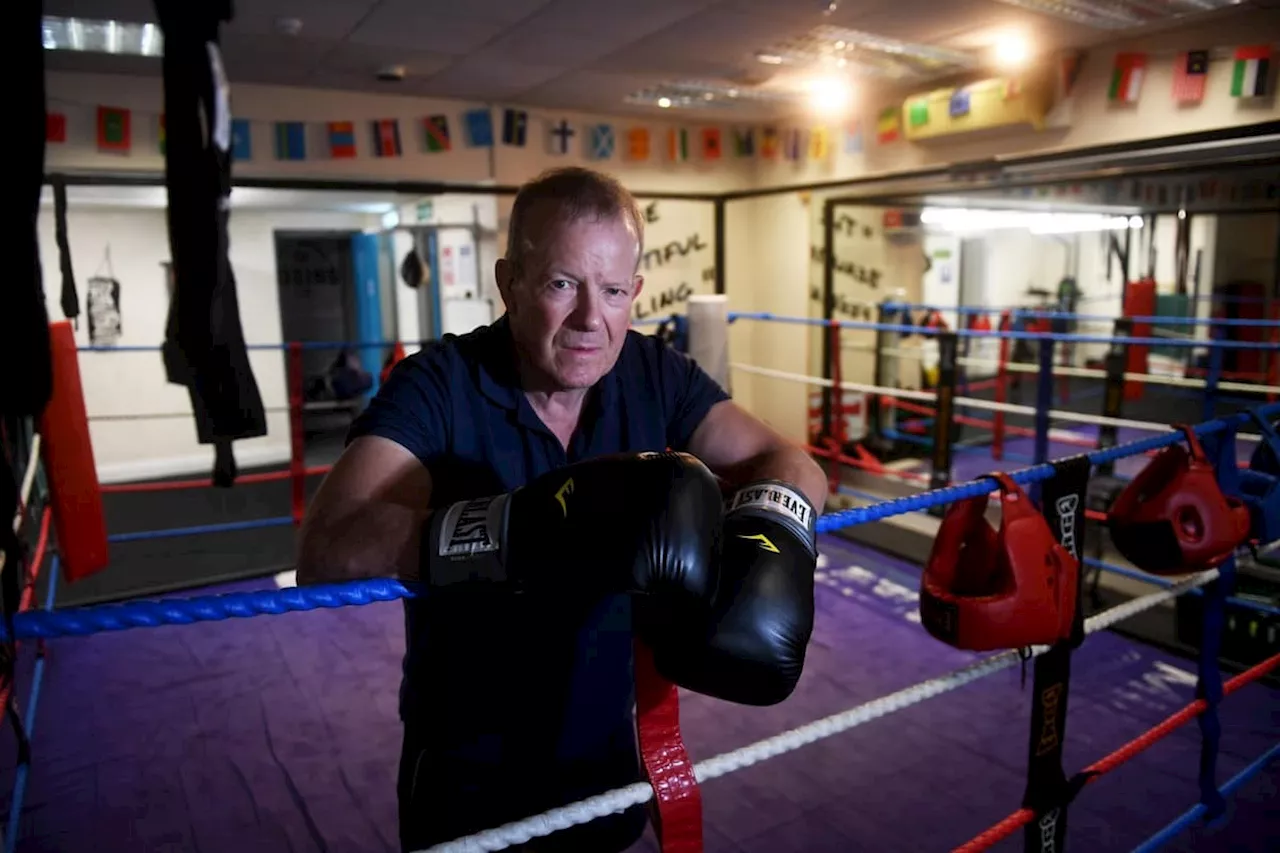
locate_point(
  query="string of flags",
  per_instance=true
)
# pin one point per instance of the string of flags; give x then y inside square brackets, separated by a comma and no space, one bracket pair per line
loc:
[115,128]
[436,134]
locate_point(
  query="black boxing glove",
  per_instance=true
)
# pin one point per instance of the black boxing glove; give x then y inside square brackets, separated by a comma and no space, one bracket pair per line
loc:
[751,651]
[638,523]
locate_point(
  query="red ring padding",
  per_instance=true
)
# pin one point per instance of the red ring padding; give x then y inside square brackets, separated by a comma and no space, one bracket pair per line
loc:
[74,494]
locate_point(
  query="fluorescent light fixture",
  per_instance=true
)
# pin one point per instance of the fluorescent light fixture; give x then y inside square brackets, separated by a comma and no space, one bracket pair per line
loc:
[93,36]
[963,220]
[829,95]
[1012,50]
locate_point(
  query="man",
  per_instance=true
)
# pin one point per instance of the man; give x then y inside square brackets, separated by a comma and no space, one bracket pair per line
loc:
[519,699]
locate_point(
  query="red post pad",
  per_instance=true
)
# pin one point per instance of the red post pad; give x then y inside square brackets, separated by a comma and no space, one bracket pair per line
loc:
[67,451]
[1139,301]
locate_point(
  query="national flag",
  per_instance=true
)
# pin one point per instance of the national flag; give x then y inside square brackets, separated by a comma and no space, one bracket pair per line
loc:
[959,103]
[1010,88]
[386,137]
[711,145]
[918,112]
[160,135]
[291,140]
[1069,65]
[241,140]
[769,144]
[1250,72]
[1126,77]
[602,141]
[819,143]
[854,142]
[558,137]
[744,142]
[1190,72]
[638,143]
[677,145]
[515,127]
[55,127]
[479,125]
[791,144]
[888,125]
[436,131]
[113,129]
[342,139]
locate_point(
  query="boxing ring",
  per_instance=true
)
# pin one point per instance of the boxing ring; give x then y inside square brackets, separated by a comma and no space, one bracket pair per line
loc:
[188,735]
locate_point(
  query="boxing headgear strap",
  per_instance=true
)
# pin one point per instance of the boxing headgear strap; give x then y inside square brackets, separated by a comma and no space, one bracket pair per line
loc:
[1173,518]
[986,589]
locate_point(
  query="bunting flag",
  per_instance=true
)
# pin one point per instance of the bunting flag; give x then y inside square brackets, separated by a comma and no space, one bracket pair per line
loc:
[55,127]
[1190,72]
[558,136]
[888,125]
[342,139]
[602,141]
[515,127]
[1126,77]
[436,133]
[819,143]
[711,143]
[1069,64]
[241,140]
[959,103]
[113,130]
[160,136]
[918,112]
[744,142]
[1010,88]
[479,125]
[769,143]
[677,145]
[386,138]
[792,146]
[1250,71]
[853,139]
[638,143]
[291,140]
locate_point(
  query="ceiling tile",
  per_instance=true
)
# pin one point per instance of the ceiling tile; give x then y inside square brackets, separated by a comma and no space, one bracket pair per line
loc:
[616,20]
[241,52]
[353,58]
[426,26]
[131,11]
[332,19]
[488,79]
[101,63]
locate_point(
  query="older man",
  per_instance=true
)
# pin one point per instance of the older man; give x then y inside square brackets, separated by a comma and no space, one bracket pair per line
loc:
[519,474]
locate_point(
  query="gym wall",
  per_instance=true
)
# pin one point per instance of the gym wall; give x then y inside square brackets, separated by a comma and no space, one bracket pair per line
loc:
[130,244]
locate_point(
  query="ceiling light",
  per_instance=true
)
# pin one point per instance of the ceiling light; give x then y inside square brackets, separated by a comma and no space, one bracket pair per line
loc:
[769,58]
[664,102]
[1012,50]
[829,95]
[93,36]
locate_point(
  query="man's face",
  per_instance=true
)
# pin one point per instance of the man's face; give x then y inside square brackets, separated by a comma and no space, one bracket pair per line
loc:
[570,304]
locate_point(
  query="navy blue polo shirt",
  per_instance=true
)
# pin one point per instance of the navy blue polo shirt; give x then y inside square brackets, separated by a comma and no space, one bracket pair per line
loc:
[528,691]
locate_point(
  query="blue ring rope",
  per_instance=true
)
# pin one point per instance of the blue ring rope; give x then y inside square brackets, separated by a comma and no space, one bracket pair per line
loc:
[226,527]
[1193,814]
[146,614]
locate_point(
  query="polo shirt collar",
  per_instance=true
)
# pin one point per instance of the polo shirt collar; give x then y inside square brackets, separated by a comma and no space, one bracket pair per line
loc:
[500,382]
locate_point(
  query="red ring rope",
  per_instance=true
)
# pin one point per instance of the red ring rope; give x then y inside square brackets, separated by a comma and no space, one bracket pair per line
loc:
[1022,817]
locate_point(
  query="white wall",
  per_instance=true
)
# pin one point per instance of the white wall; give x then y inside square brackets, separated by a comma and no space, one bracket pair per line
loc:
[132,383]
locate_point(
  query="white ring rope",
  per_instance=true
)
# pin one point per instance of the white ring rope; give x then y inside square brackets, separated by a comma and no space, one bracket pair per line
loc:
[1095,373]
[620,799]
[972,402]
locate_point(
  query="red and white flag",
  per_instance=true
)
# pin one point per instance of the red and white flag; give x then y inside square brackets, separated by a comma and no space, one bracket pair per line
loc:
[1190,71]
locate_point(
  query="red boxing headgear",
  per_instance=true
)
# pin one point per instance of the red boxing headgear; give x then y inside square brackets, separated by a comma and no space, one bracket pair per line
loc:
[984,589]
[1173,517]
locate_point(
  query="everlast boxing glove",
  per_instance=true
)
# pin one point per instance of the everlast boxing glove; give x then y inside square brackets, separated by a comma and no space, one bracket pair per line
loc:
[752,649]
[638,523]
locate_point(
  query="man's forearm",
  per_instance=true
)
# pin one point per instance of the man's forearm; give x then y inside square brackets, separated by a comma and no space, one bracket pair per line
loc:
[789,464]
[380,540]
